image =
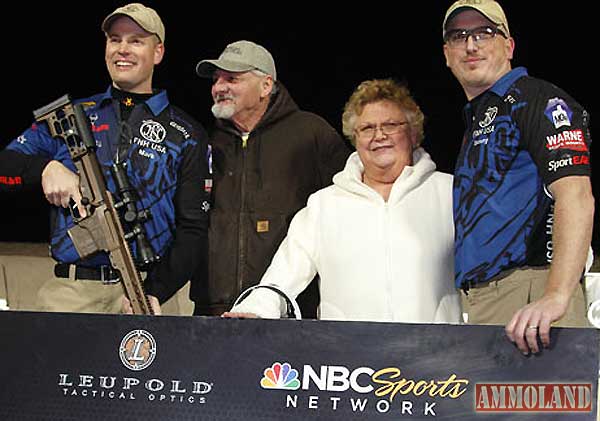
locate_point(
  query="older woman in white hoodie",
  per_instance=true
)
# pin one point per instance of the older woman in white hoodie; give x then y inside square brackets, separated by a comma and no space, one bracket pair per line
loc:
[381,237]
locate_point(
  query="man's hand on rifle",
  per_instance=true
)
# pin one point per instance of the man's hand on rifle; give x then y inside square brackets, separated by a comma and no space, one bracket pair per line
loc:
[60,185]
[152,300]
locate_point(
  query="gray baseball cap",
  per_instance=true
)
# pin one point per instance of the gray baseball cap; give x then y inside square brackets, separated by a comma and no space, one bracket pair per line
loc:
[144,16]
[240,56]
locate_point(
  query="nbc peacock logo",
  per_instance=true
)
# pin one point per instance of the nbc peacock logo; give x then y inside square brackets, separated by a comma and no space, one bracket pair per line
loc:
[280,376]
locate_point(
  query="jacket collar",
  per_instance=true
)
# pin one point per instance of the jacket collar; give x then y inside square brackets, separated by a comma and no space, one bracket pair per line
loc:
[157,103]
[350,178]
[503,84]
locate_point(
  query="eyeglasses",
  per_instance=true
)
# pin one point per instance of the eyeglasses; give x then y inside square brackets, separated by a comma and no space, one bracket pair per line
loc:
[368,131]
[457,38]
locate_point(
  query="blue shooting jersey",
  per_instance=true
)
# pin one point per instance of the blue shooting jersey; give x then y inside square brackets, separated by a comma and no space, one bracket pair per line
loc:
[522,134]
[166,155]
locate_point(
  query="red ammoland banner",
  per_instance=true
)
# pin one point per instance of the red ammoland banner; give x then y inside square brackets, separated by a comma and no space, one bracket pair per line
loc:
[57,366]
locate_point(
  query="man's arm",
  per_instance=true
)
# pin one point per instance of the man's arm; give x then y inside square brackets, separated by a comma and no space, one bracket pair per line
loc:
[572,233]
[28,156]
[292,269]
[60,185]
[20,171]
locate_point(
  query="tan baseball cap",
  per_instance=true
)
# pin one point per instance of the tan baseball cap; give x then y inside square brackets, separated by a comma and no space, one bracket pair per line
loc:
[240,56]
[489,8]
[144,16]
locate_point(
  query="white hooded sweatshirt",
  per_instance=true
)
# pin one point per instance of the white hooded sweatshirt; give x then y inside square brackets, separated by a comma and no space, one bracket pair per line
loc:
[378,261]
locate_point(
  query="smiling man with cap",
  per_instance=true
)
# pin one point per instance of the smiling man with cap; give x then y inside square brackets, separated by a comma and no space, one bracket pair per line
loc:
[252,68]
[162,153]
[523,205]
[268,157]
[135,38]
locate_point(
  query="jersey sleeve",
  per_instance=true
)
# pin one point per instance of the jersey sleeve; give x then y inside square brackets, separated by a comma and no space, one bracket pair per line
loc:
[556,134]
[24,159]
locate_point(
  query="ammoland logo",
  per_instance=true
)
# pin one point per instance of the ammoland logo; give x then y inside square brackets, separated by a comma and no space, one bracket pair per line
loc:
[137,350]
[533,397]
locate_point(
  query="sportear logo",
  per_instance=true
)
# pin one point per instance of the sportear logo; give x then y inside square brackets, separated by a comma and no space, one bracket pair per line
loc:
[137,350]
[280,376]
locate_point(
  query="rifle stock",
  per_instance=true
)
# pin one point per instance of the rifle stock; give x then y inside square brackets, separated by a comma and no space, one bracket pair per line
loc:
[100,229]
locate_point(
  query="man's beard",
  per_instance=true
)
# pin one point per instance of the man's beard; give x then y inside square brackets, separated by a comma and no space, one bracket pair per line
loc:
[221,110]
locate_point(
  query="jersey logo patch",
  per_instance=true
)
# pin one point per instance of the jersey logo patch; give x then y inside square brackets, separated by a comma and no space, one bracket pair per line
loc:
[153,131]
[567,139]
[558,112]
[490,115]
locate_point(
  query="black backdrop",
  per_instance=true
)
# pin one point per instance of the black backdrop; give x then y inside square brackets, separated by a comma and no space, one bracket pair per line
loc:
[52,49]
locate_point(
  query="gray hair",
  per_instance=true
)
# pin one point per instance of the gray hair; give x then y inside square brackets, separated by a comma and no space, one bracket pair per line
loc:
[260,73]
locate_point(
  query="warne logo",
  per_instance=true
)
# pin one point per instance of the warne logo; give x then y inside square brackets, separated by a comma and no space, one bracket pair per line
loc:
[567,139]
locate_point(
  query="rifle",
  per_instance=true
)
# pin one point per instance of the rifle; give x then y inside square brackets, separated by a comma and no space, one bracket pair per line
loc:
[101,228]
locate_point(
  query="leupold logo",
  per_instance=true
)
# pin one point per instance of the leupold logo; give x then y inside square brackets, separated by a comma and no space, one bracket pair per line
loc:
[280,376]
[137,350]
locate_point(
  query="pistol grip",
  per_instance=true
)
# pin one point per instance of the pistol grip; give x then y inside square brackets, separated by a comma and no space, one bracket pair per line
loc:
[74,210]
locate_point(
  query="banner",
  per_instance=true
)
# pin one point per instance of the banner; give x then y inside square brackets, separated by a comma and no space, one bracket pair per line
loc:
[56,366]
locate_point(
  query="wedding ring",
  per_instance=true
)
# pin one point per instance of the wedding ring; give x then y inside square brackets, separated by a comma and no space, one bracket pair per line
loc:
[532,327]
